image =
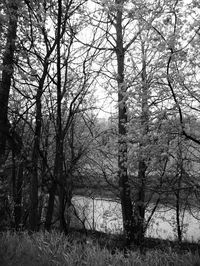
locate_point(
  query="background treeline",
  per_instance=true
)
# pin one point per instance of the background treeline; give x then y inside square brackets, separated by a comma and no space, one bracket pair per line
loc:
[61,62]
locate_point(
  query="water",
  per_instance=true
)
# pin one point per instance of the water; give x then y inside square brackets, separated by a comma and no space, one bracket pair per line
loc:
[105,215]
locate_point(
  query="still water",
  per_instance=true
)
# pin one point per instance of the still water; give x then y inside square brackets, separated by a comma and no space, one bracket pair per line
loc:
[105,215]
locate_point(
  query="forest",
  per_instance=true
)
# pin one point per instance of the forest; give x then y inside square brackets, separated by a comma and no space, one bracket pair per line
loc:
[99,99]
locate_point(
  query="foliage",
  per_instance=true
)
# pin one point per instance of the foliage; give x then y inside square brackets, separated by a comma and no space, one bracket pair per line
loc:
[140,56]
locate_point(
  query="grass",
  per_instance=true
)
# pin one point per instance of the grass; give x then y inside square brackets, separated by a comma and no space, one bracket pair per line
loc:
[49,249]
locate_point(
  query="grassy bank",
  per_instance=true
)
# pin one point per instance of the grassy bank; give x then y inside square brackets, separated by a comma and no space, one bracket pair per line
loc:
[55,249]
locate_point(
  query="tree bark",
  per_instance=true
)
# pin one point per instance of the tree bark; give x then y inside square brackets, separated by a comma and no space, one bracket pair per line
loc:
[50,206]
[7,72]
[139,210]
[126,203]
[178,190]
[33,216]
[59,131]
[17,182]
[18,196]
[178,222]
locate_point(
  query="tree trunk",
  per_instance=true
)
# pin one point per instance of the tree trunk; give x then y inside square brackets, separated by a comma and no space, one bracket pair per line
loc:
[17,182]
[50,206]
[33,215]
[59,134]
[7,72]
[139,210]
[18,196]
[40,211]
[178,223]
[178,190]
[126,203]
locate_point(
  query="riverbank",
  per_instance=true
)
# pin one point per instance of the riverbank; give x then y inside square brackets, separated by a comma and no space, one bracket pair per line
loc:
[84,249]
[104,214]
[115,242]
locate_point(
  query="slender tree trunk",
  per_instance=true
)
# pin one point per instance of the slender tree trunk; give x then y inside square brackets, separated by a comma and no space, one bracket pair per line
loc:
[178,223]
[40,211]
[17,181]
[50,206]
[18,196]
[59,133]
[139,210]
[33,216]
[126,203]
[178,192]
[7,72]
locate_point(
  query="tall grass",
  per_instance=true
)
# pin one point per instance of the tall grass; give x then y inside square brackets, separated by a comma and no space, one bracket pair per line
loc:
[55,249]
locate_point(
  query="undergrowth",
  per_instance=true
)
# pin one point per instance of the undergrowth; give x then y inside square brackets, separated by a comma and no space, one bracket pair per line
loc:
[46,249]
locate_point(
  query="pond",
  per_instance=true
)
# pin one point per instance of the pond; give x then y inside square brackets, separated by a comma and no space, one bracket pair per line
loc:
[105,215]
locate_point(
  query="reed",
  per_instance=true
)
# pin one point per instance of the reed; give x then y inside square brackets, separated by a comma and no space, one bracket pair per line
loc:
[50,249]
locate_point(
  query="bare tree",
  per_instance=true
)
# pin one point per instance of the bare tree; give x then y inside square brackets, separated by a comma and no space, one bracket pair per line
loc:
[7,73]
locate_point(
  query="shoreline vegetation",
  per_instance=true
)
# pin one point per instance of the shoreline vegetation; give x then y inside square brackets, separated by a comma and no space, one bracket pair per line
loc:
[91,248]
[106,194]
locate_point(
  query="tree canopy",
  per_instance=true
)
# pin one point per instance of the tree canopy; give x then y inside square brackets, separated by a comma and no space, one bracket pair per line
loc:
[59,59]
